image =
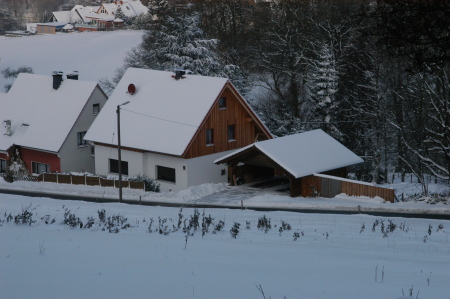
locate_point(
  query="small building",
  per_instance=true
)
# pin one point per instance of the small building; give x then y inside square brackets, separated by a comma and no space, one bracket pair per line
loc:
[173,127]
[313,162]
[49,28]
[46,118]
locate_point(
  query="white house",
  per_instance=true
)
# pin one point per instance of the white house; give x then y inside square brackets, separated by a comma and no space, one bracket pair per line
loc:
[173,127]
[46,118]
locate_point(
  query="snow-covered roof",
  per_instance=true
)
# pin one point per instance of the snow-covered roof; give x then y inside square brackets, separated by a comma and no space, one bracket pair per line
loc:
[98,16]
[162,116]
[83,11]
[304,154]
[67,16]
[40,116]
[129,8]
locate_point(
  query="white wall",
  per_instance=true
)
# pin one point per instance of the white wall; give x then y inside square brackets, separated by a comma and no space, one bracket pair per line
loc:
[103,154]
[152,160]
[203,170]
[74,158]
[188,172]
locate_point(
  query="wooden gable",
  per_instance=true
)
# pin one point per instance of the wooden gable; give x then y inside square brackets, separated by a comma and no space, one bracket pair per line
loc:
[247,126]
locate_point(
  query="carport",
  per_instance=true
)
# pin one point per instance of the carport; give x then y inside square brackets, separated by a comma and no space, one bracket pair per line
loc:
[313,162]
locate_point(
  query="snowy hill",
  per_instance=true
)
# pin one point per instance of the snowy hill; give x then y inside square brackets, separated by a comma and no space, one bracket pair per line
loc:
[94,54]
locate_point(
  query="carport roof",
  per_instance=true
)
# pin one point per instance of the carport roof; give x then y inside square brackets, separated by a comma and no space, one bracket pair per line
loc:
[300,154]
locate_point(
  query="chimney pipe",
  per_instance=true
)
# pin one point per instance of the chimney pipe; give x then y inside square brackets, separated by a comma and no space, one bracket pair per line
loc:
[57,79]
[73,75]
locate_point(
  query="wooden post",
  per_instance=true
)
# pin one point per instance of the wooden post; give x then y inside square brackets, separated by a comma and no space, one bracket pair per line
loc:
[99,182]
[57,178]
[85,183]
[43,177]
[242,204]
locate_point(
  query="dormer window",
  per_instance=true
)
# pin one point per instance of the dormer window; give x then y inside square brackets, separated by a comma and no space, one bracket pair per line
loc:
[222,103]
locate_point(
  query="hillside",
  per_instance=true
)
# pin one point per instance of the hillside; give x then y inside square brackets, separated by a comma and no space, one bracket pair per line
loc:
[94,54]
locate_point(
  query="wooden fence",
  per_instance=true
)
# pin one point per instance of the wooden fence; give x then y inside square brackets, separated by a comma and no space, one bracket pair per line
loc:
[88,181]
[331,186]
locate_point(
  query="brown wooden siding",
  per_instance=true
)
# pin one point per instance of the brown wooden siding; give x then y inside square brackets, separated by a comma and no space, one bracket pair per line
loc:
[354,189]
[328,187]
[219,119]
[308,184]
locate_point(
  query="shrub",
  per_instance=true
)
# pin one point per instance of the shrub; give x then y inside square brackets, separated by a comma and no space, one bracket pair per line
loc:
[26,217]
[71,220]
[219,226]
[150,184]
[264,224]
[234,231]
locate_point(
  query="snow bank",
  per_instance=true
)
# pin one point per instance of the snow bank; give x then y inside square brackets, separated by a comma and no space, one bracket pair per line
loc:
[197,192]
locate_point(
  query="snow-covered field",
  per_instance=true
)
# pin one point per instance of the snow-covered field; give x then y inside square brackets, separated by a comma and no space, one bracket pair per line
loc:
[334,256]
[94,54]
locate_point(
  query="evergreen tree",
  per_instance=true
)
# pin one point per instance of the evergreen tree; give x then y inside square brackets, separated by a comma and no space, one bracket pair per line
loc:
[323,84]
[120,14]
[181,43]
[158,9]
[7,21]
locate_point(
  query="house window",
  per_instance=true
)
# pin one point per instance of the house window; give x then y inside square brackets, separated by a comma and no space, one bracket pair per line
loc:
[209,136]
[80,139]
[39,168]
[95,109]
[231,133]
[222,102]
[114,166]
[92,151]
[2,165]
[165,173]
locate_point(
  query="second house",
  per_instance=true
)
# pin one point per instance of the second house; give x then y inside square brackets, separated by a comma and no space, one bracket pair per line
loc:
[172,127]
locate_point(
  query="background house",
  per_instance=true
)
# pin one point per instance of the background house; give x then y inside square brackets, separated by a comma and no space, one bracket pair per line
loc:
[46,118]
[130,8]
[173,128]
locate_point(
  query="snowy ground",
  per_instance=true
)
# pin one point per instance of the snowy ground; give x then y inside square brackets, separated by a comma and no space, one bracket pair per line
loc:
[335,256]
[94,54]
